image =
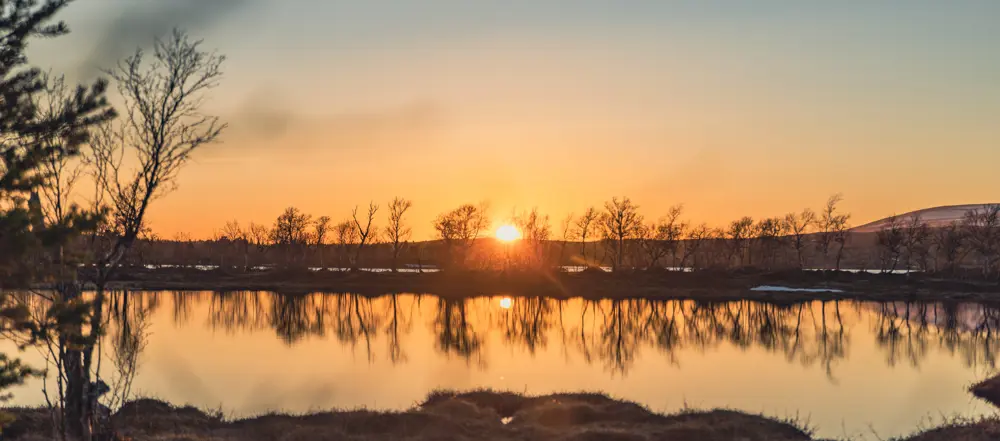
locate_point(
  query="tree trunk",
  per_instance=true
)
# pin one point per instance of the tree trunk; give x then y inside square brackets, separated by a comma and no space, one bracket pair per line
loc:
[76,409]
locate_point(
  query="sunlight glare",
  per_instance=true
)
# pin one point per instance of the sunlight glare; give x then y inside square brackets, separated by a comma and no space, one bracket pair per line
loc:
[506,303]
[508,233]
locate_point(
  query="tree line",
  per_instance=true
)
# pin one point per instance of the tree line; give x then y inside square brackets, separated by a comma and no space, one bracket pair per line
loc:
[615,235]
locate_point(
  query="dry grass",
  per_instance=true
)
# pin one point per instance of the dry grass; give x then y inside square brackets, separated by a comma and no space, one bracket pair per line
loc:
[988,390]
[477,415]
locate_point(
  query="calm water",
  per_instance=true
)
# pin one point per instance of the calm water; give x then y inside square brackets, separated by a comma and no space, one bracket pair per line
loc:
[850,367]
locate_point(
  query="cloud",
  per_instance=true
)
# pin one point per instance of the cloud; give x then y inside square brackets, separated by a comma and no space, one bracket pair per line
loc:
[263,121]
[142,22]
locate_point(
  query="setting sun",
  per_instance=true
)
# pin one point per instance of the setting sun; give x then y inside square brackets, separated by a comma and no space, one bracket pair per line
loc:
[508,233]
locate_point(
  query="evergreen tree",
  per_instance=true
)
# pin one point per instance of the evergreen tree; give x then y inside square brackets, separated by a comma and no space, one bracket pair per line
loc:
[27,139]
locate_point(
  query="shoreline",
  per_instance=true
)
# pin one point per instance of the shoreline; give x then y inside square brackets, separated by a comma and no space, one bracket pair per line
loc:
[788,286]
[475,415]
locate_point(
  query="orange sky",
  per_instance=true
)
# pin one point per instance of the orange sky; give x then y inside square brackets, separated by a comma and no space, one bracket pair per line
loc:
[731,111]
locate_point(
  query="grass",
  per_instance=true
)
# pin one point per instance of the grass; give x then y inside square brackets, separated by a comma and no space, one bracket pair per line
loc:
[476,415]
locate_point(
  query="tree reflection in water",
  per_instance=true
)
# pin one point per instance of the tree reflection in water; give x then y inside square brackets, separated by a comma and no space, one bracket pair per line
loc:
[527,322]
[610,332]
[455,333]
[907,331]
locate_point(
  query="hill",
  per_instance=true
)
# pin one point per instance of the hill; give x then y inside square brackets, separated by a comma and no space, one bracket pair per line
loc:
[934,217]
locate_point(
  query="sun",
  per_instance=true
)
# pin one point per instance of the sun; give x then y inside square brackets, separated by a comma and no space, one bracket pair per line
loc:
[508,233]
[506,303]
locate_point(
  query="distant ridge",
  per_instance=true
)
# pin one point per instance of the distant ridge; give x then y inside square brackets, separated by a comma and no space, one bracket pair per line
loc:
[934,217]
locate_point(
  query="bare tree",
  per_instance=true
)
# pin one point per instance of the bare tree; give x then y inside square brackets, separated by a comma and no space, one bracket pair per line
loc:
[259,236]
[833,229]
[397,233]
[661,238]
[535,231]
[321,229]
[949,243]
[346,237]
[798,227]
[916,243]
[239,237]
[694,242]
[136,162]
[738,236]
[889,241]
[982,232]
[584,227]
[459,230]
[568,235]
[621,222]
[770,234]
[365,233]
[162,126]
[291,235]
[62,170]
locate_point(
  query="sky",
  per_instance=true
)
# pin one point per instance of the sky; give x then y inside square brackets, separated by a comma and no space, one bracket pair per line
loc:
[730,108]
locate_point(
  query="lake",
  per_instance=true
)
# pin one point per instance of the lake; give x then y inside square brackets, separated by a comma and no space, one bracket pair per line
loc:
[851,368]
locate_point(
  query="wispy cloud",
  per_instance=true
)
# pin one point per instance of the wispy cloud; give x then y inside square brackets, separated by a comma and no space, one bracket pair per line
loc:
[141,22]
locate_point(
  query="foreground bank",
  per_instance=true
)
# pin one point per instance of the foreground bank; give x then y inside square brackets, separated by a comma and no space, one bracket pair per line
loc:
[700,285]
[480,415]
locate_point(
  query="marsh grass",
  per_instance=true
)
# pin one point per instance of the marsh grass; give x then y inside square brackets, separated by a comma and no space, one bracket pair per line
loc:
[482,414]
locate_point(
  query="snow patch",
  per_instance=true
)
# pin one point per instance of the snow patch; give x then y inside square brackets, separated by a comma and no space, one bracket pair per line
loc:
[770,288]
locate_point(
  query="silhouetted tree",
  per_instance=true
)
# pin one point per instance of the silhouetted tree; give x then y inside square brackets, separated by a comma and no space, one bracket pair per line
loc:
[397,233]
[770,234]
[291,234]
[833,229]
[259,236]
[982,233]
[661,238]
[240,238]
[321,229]
[459,230]
[620,222]
[346,237]
[798,226]
[949,244]
[694,242]
[738,236]
[916,242]
[535,233]
[889,241]
[135,163]
[568,235]
[584,228]
[365,232]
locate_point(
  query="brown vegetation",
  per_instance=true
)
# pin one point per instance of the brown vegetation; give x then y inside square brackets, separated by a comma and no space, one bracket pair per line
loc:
[481,415]
[478,415]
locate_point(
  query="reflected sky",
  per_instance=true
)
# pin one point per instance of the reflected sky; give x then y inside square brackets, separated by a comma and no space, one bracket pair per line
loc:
[845,365]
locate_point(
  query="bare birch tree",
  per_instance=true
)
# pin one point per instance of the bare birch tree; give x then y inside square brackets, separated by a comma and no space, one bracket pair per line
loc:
[137,160]
[833,229]
[798,227]
[365,233]
[621,222]
[982,233]
[321,229]
[397,233]
[584,227]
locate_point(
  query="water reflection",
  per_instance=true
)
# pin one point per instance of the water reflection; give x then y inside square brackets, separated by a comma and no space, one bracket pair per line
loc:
[610,332]
[456,333]
[850,363]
